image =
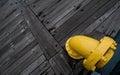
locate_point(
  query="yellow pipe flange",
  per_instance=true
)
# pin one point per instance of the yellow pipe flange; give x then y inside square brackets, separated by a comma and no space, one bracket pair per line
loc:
[95,53]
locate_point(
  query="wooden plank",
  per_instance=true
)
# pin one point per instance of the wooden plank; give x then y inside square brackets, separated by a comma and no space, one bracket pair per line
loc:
[89,21]
[13,58]
[46,41]
[78,18]
[60,65]
[24,61]
[10,7]
[41,69]
[34,65]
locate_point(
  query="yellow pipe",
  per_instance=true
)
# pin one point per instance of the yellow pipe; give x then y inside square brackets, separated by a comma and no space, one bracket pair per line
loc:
[95,53]
[81,45]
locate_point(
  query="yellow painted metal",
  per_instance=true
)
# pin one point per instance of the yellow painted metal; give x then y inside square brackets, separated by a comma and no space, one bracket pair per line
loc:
[95,53]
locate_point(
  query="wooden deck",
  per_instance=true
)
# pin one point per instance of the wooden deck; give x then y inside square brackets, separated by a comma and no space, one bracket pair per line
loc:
[33,33]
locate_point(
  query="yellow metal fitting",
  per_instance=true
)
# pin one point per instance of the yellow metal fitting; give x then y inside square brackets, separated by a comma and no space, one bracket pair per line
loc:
[95,53]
